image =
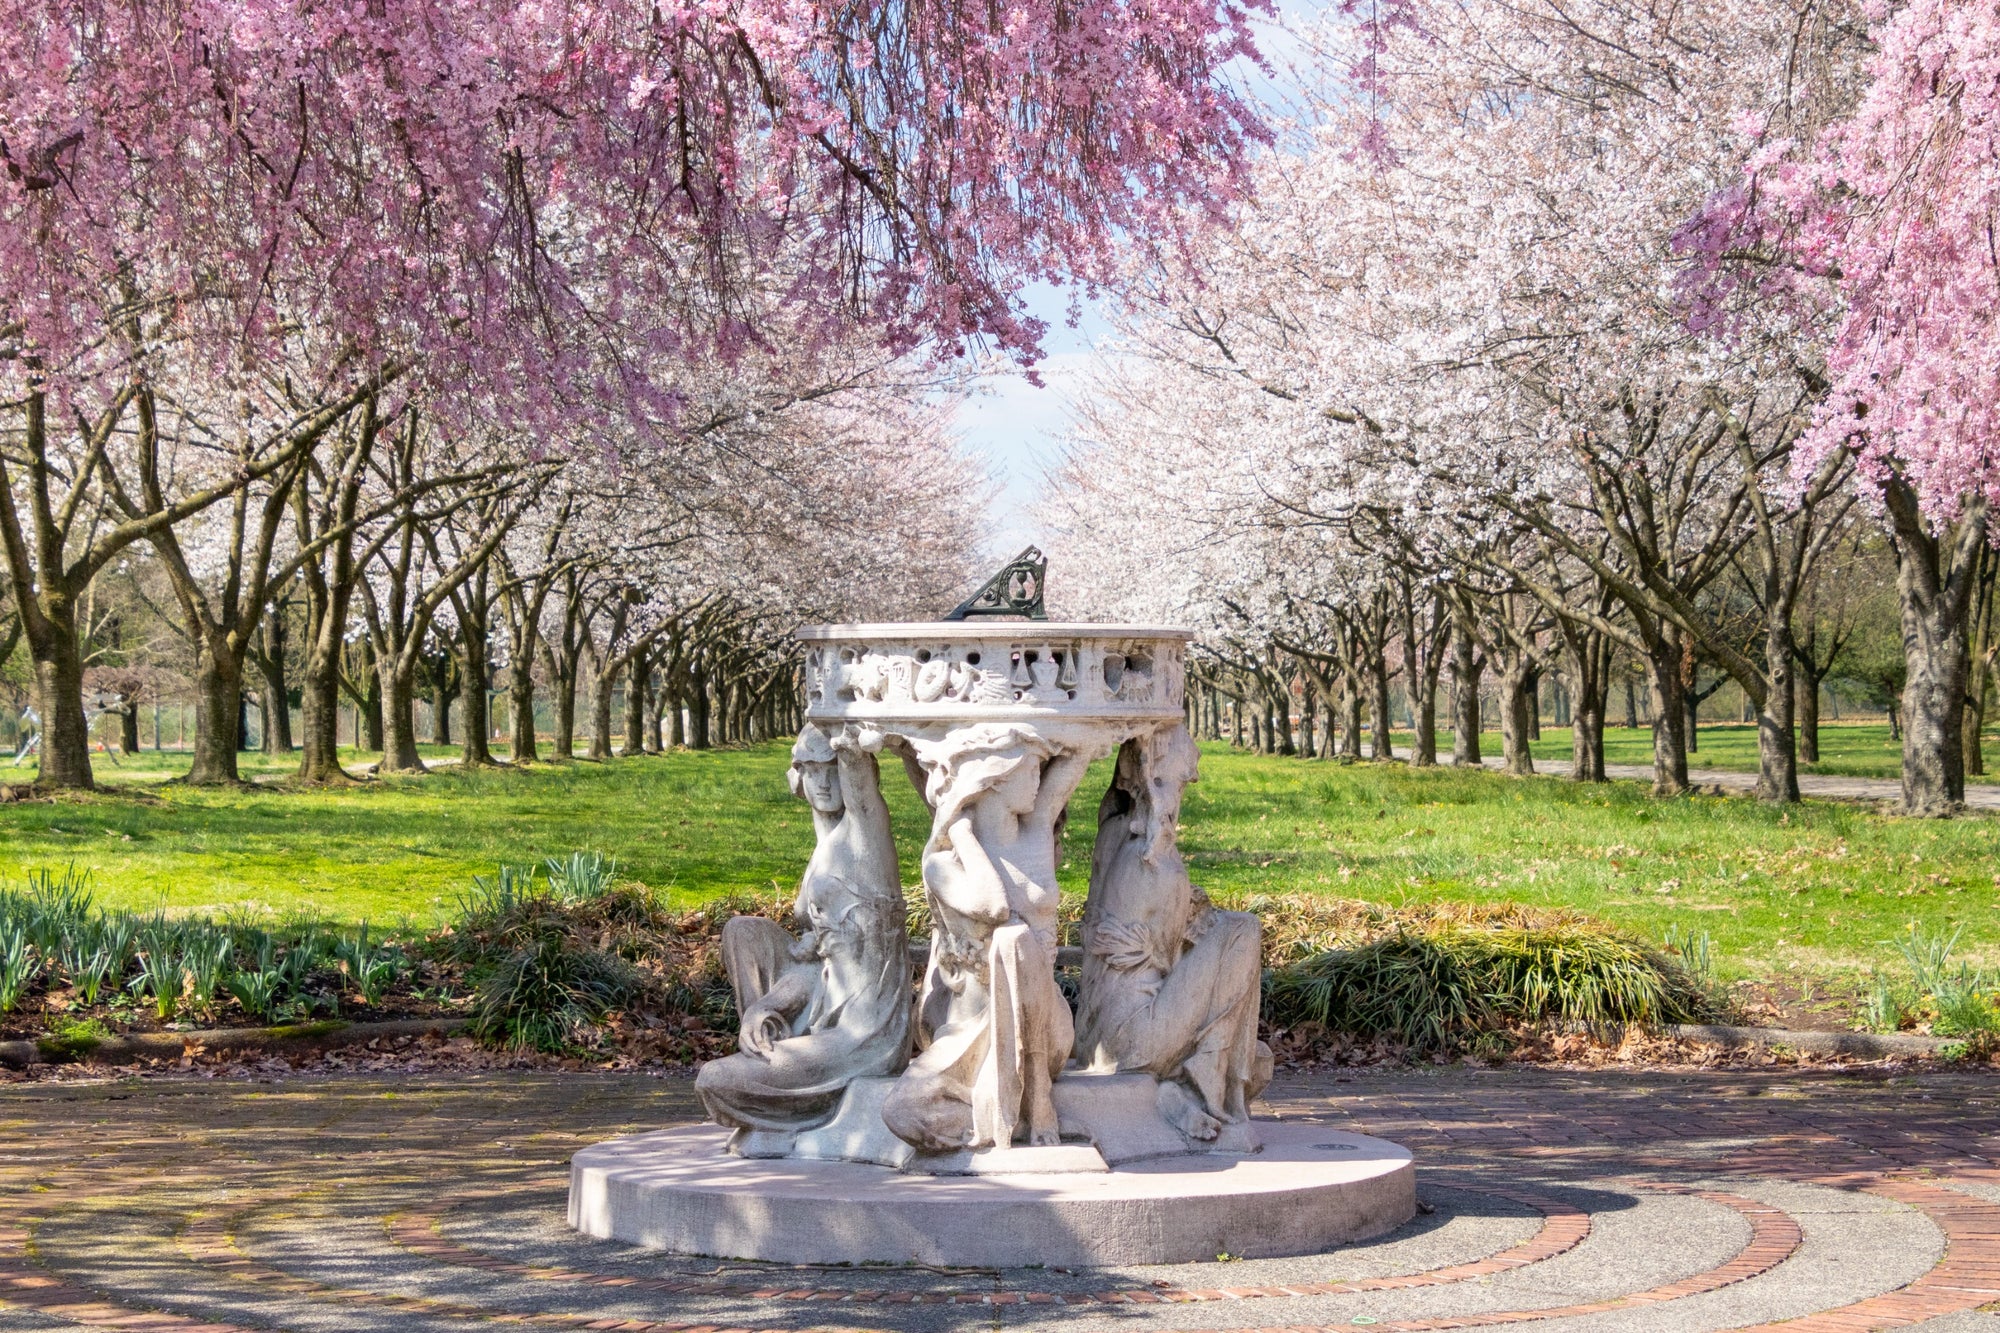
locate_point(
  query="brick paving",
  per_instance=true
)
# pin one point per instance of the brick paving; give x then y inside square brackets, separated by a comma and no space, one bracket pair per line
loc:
[1810,1201]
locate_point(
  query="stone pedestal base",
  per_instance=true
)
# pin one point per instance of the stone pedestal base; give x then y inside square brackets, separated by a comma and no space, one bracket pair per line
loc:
[1308,1190]
[1106,1121]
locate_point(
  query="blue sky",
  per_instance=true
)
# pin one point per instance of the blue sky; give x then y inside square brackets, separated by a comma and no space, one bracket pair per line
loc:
[1018,427]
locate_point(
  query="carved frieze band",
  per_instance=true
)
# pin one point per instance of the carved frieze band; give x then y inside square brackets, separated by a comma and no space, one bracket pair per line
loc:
[996,676]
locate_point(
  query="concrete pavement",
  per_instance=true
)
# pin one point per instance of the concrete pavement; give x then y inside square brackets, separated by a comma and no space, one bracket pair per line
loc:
[1602,1200]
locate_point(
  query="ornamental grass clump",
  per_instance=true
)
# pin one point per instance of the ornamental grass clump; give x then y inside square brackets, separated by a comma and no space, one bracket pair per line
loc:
[370,965]
[553,959]
[1438,986]
[1946,996]
[552,994]
[19,965]
[60,953]
[582,876]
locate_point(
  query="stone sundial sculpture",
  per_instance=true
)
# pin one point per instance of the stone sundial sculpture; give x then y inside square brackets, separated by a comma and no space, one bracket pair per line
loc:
[997,722]
[848,1063]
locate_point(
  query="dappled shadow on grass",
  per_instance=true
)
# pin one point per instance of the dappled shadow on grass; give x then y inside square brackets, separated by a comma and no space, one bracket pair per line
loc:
[1823,885]
[1847,749]
[718,822]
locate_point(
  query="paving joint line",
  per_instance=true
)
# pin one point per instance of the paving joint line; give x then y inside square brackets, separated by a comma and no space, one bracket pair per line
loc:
[1564,1227]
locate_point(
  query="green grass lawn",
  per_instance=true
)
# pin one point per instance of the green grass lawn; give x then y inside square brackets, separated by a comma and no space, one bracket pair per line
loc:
[401,848]
[1822,887]
[1846,749]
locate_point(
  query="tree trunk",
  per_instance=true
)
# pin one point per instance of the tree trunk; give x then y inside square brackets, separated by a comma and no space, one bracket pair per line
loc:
[562,744]
[1420,678]
[1423,718]
[1975,717]
[1978,665]
[1808,709]
[1350,716]
[1516,689]
[364,691]
[370,709]
[1670,765]
[521,713]
[1777,752]
[599,748]
[1586,747]
[58,659]
[327,601]
[1590,670]
[1381,745]
[1534,698]
[635,706]
[698,713]
[440,716]
[319,698]
[655,699]
[478,720]
[398,690]
[277,696]
[218,695]
[1465,673]
[1631,705]
[1935,578]
[1933,724]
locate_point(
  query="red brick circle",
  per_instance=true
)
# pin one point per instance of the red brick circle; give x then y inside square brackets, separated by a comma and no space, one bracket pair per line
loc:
[1563,1228]
[1966,1277]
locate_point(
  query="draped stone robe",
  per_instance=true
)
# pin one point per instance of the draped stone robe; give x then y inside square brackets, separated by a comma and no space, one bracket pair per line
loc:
[844,986]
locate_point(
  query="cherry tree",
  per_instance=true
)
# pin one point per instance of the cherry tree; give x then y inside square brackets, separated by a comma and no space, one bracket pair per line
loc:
[1461,338]
[532,208]
[1880,225]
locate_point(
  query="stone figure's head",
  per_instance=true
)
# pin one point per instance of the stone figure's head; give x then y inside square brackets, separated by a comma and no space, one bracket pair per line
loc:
[1003,761]
[813,773]
[1154,772]
[1172,761]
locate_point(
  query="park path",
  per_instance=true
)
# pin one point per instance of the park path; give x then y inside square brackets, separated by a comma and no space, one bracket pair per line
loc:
[1609,1200]
[1825,786]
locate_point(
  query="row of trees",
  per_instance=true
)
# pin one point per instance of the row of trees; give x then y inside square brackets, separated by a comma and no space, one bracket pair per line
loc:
[1248,689]
[558,584]
[580,335]
[1572,333]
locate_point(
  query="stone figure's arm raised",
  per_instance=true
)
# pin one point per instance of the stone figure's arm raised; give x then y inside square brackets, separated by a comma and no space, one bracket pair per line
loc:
[963,876]
[866,817]
[854,750]
[1060,776]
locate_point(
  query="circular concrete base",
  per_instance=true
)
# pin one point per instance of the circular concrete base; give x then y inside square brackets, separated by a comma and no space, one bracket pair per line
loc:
[1310,1189]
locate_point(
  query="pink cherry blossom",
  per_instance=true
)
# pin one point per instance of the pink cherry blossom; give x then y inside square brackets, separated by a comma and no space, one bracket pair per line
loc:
[545,197]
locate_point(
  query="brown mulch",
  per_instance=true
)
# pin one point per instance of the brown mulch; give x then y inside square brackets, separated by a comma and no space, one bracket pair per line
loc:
[662,1050]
